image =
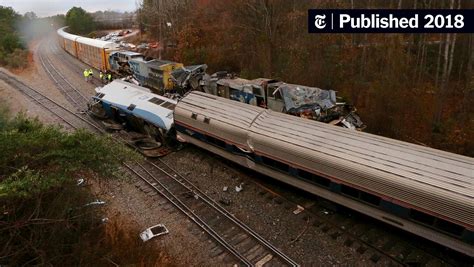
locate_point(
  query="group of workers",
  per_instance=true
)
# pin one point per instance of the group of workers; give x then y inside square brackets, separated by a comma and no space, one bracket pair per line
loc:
[104,77]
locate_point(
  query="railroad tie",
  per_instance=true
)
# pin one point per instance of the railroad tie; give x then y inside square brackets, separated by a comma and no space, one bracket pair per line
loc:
[264,260]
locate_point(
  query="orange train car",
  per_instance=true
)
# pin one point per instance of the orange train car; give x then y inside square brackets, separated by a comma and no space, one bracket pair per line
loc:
[93,52]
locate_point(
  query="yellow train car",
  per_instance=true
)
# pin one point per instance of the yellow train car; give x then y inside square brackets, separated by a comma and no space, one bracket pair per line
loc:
[167,68]
[154,73]
[68,42]
[94,53]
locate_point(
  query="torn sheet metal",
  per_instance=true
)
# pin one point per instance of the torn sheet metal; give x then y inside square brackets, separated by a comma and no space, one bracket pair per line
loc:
[318,104]
[296,96]
[188,77]
[302,101]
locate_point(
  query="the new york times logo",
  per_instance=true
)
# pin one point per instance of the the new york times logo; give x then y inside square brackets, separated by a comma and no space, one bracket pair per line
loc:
[390,20]
[319,21]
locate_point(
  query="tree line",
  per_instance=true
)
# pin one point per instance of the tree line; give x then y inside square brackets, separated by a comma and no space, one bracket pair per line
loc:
[412,87]
[12,50]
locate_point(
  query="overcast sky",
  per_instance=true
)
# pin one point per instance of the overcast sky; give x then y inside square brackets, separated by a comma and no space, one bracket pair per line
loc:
[44,8]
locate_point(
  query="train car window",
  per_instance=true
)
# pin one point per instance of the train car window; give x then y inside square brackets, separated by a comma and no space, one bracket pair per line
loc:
[370,198]
[100,95]
[350,191]
[282,166]
[278,95]
[422,217]
[156,71]
[257,91]
[132,107]
[267,161]
[156,101]
[270,92]
[314,178]
[274,93]
[449,227]
[207,120]
[215,141]
[275,164]
[194,116]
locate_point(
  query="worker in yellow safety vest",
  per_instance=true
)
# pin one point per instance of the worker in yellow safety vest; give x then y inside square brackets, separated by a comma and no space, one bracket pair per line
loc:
[91,74]
[86,75]
[101,76]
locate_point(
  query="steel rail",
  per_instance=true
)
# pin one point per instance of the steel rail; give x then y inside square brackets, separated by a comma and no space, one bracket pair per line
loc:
[20,85]
[64,78]
[189,213]
[227,214]
[57,81]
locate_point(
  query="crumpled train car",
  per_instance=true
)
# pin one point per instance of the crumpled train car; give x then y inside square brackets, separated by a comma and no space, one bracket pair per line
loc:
[302,101]
[155,74]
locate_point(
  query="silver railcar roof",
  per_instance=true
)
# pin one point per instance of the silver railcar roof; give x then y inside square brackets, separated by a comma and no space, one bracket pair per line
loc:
[87,41]
[66,35]
[213,106]
[434,180]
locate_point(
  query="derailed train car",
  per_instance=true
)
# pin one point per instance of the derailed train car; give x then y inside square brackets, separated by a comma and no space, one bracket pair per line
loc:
[136,108]
[155,74]
[298,100]
[424,191]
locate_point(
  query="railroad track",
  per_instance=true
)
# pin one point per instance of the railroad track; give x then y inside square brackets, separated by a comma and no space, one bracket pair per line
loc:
[72,120]
[76,67]
[367,236]
[236,237]
[72,94]
[233,236]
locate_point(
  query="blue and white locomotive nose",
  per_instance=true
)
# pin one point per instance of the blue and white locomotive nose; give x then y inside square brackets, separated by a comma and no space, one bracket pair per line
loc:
[137,101]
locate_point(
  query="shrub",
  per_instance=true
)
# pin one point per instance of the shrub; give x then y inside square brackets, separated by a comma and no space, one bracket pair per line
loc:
[17,59]
[43,217]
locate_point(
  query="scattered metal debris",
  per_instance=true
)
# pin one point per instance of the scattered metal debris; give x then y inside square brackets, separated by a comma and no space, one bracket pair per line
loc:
[225,188]
[189,77]
[154,231]
[298,209]
[239,188]
[81,182]
[97,202]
